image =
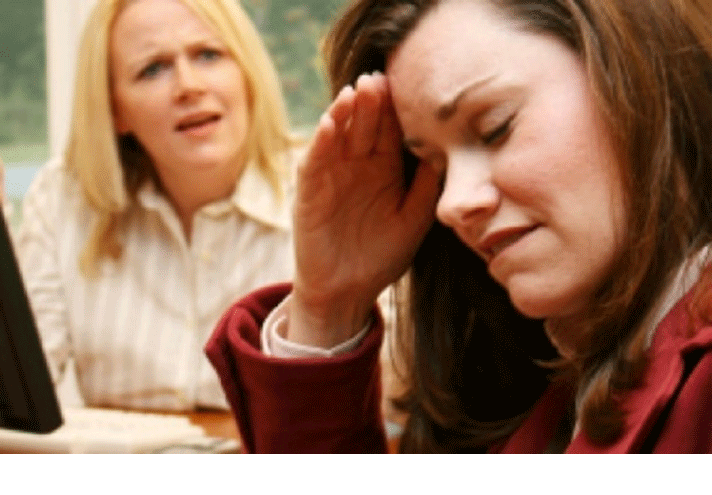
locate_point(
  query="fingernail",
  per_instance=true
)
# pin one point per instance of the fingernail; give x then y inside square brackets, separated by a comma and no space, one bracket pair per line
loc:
[344,90]
[361,79]
[325,119]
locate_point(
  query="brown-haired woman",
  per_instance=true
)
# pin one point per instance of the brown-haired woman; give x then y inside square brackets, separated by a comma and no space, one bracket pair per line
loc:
[542,171]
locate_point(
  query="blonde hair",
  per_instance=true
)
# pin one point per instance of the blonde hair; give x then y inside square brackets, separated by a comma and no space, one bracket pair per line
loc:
[110,169]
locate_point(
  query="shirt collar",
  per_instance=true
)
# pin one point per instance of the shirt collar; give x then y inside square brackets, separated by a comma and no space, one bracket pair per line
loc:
[686,277]
[254,196]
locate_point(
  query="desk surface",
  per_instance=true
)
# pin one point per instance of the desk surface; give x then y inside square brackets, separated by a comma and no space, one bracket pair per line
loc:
[215,423]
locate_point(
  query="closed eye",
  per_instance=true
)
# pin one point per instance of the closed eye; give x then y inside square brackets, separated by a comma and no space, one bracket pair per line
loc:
[497,135]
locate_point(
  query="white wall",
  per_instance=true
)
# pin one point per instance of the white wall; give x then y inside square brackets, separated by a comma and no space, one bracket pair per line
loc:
[64,20]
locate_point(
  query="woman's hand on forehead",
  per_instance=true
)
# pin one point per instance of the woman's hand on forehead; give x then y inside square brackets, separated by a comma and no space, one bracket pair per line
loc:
[357,227]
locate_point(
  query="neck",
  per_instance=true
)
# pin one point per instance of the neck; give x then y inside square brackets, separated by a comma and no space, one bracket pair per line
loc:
[563,333]
[187,201]
[188,190]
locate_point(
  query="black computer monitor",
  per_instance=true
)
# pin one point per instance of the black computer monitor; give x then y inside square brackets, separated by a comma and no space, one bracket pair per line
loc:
[27,398]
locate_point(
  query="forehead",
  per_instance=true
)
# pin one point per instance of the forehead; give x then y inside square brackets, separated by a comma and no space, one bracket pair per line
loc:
[454,42]
[151,24]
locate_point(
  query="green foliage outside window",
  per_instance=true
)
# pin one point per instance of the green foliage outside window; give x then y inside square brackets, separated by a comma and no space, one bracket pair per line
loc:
[23,121]
[293,31]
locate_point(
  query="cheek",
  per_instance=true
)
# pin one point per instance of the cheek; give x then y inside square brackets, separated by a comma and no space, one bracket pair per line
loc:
[232,83]
[526,169]
[142,114]
[240,106]
[561,160]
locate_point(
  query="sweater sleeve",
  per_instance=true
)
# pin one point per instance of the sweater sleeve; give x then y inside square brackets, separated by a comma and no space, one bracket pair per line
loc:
[316,405]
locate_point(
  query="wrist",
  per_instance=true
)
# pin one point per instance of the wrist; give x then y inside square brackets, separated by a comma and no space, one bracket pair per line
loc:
[325,324]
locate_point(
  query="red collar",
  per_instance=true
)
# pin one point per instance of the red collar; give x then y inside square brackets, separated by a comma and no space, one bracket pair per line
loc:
[644,404]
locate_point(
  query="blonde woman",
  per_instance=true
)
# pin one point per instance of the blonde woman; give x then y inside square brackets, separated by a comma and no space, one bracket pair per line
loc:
[170,201]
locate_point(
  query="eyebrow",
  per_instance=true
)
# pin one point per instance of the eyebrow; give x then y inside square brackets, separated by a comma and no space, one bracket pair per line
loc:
[150,51]
[448,109]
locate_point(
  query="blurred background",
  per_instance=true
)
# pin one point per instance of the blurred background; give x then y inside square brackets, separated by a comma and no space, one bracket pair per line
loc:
[38,51]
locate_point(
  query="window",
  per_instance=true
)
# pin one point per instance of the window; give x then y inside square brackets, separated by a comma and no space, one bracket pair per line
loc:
[292,31]
[23,123]
[23,98]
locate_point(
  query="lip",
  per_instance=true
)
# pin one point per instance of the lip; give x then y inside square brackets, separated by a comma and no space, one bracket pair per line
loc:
[194,122]
[493,244]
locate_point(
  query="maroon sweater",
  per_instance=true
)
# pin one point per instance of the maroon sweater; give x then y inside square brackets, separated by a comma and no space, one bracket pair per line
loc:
[333,405]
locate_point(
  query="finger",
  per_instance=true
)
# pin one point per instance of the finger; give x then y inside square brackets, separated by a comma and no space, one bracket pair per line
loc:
[323,139]
[313,185]
[390,136]
[342,108]
[367,116]
[330,128]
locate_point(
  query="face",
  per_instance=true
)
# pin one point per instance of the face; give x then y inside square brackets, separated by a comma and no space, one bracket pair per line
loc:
[530,174]
[179,91]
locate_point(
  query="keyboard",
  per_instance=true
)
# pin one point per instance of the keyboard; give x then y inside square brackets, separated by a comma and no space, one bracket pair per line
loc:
[89,430]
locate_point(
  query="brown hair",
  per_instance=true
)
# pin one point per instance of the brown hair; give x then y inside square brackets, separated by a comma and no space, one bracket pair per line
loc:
[650,66]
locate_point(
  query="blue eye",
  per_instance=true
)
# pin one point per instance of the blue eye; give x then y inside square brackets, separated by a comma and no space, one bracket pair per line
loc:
[208,54]
[151,70]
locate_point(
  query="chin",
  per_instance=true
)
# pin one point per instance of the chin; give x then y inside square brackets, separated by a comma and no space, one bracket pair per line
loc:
[531,309]
[540,303]
[206,163]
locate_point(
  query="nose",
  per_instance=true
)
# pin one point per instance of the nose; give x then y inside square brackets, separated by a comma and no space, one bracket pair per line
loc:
[188,80]
[469,194]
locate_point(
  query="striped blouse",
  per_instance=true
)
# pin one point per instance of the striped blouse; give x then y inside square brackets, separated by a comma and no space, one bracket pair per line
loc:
[136,332]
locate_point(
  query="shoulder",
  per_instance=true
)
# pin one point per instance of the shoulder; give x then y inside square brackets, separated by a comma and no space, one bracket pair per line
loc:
[53,201]
[256,196]
[682,331]
[53,182]
[682,342]
[680,369]
[687,427]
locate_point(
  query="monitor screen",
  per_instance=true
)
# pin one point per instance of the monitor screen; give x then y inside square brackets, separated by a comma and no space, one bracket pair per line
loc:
[27,398]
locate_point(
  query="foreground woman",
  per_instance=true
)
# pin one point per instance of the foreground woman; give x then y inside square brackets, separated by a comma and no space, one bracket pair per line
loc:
[540,168]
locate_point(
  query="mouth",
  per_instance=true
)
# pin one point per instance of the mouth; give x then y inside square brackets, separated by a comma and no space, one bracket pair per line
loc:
[197,121]
[493,244]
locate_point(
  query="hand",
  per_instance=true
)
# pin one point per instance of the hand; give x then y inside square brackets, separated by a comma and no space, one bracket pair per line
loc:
[357,226]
